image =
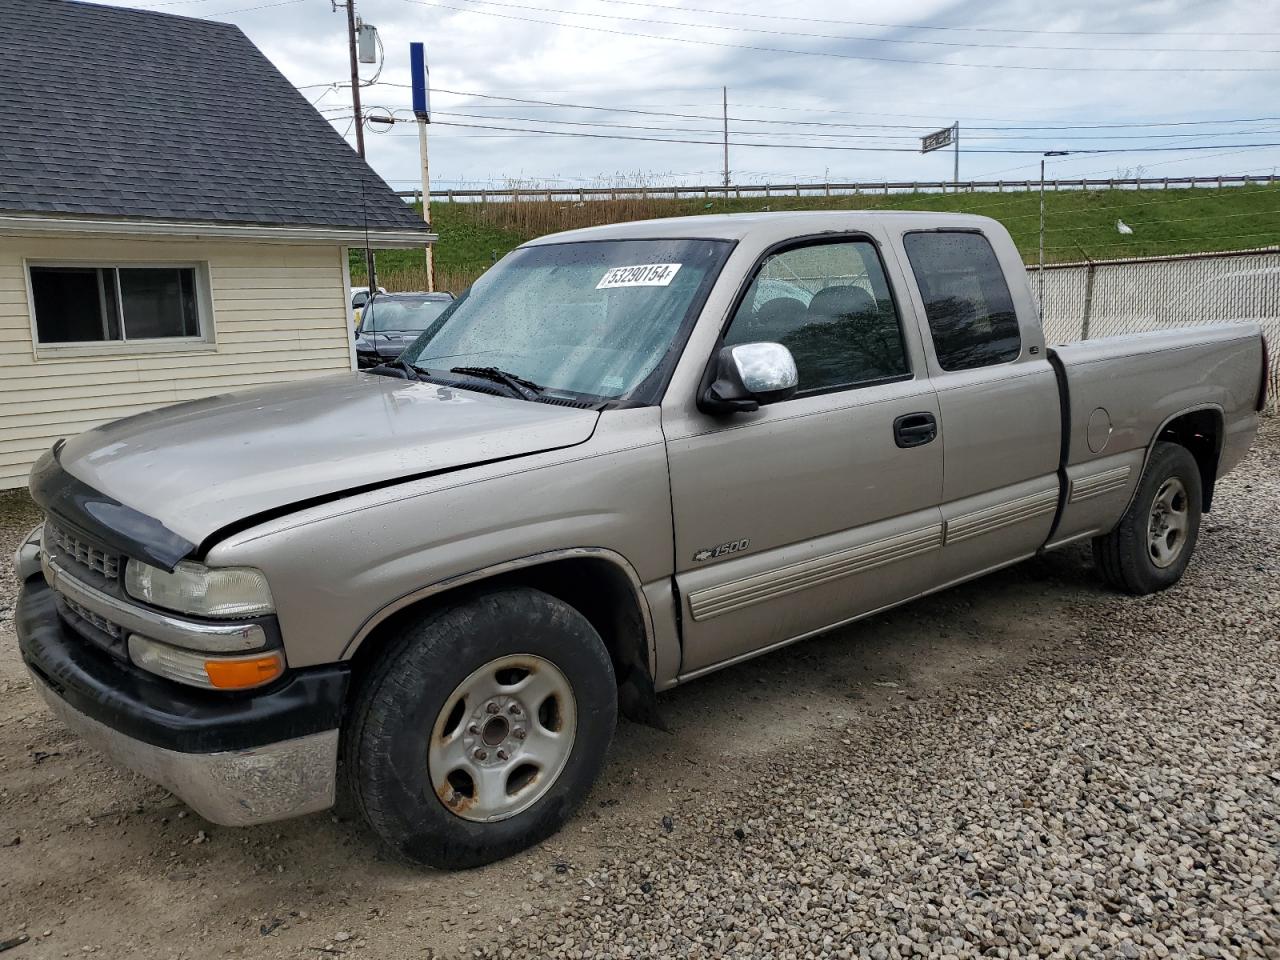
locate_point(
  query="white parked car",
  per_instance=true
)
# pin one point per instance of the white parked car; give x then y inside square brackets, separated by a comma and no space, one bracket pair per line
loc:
[360,297]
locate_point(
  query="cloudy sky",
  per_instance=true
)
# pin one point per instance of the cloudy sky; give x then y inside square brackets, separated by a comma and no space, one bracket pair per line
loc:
[807,82]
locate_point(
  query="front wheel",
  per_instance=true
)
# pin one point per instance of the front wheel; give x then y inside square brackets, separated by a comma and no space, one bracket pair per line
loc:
[1151,546]
[482,728]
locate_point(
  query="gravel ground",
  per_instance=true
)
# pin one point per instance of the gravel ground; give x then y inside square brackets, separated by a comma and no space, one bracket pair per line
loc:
[1027,765]
[1123,803]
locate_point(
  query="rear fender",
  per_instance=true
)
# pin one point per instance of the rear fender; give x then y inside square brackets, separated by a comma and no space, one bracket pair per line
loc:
[1208,471]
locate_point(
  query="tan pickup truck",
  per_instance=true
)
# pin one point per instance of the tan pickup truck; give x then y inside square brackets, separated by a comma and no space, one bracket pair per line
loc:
[626,457]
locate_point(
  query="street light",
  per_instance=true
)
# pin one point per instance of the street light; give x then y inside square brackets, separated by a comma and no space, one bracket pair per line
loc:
[1040,272]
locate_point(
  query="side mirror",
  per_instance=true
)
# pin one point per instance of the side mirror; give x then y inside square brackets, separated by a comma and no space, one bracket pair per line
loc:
[749,375]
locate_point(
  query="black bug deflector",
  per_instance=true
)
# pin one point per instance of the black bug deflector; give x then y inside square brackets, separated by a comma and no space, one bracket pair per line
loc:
[103,517]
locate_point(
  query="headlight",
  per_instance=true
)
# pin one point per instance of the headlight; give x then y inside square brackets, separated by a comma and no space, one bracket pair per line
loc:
[199,590]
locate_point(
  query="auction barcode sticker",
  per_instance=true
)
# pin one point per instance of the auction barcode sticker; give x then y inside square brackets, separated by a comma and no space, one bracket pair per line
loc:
[641,275]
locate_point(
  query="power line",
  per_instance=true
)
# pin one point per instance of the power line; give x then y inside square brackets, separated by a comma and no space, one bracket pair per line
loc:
[1159,163]
[855,39]
[616,136]
[661,113]
[1163,163]
[1129,126]
[632,34]
[329,88]
[817,123]
[803,146]
[261,6]
[222,13]
[935,118]
[923,26]
[827,136]
[1022,198]
[634,126]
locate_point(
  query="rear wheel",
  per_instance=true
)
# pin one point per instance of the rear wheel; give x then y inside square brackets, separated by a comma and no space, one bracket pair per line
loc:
[482,728]
[1151,546]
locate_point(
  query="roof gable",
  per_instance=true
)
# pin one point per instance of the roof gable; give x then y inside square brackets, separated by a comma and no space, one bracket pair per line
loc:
[124,113]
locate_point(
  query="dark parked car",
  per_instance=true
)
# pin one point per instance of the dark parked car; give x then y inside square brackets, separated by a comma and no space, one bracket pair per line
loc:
[392,321]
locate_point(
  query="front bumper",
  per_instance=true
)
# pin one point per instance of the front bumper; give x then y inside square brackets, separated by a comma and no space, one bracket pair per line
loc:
[235,760]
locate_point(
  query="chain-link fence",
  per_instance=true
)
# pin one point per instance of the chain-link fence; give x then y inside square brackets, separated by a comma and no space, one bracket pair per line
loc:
[1106,298]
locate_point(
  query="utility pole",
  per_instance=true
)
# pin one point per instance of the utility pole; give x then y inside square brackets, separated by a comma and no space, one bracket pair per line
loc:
[355,76]
[426,200]
[724,93]
[1040,272]
[358,123]
[955,177]
[420,84]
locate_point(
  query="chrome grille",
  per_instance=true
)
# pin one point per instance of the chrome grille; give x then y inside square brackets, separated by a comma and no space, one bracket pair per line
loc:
[99,561]
[102,623]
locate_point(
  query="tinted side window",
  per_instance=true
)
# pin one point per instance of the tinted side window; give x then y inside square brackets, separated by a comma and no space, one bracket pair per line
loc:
[829,304]
[966,299]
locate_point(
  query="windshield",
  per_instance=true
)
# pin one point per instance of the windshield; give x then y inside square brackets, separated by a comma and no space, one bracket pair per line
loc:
[583,318]
[401,315]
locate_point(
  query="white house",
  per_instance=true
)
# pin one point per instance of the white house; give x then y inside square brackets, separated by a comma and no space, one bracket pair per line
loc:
[174,221]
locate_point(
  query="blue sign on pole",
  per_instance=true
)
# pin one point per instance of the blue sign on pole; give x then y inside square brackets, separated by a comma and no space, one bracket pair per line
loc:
[419,78]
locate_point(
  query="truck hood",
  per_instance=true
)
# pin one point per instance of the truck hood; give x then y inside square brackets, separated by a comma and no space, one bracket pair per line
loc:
[198,467]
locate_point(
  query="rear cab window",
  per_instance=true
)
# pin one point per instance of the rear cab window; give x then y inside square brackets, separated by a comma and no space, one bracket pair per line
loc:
[970,311]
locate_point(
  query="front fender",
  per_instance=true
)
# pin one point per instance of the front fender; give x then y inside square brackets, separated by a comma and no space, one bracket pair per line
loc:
[336,570]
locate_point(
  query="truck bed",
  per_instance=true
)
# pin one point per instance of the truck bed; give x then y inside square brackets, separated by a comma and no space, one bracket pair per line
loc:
[1120,393]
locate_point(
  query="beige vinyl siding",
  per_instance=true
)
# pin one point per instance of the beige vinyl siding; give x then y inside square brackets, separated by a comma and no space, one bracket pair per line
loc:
[279,311]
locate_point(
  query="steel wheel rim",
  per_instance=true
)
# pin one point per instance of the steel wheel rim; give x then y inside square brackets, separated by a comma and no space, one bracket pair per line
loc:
[1169,524]
[502,738]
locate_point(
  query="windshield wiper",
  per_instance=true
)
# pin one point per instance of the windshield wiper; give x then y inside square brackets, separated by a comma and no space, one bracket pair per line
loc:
[525,389]
[410,371]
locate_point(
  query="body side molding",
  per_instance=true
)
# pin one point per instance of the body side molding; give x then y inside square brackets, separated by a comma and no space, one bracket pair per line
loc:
[1095,485]
[1001,515]
[725,598]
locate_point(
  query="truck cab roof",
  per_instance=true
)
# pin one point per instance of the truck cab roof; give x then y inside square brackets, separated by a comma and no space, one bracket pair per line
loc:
[770,227]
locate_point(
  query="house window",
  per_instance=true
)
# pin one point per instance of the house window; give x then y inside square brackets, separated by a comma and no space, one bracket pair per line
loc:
[93,304]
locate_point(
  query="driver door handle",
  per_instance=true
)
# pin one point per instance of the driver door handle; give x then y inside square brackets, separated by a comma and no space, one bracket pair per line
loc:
[915,429]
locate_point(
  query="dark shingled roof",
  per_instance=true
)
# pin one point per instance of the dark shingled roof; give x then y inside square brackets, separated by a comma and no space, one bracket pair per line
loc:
[125,113]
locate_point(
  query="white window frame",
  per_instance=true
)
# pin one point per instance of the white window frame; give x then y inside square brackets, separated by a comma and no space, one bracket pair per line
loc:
[204,311]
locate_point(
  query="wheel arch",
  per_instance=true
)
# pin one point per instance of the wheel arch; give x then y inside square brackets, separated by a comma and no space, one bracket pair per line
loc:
[1200,430]
[599,583]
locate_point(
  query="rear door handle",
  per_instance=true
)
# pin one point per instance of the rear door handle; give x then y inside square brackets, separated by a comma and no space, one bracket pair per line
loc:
[915,429]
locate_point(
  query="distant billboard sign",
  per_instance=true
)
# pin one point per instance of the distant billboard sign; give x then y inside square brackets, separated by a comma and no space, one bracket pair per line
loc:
[937,140]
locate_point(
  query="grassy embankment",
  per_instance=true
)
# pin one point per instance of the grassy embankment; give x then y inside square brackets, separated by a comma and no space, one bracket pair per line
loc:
[1079,224]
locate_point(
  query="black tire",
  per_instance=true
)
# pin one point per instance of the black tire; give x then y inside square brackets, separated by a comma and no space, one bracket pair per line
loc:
[386,742]
[1124,556]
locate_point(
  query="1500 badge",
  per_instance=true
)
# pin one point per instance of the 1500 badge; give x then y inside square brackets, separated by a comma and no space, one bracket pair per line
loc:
[715,553]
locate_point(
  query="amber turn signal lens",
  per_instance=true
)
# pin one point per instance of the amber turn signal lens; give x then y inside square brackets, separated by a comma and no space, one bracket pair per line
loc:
[240,674]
